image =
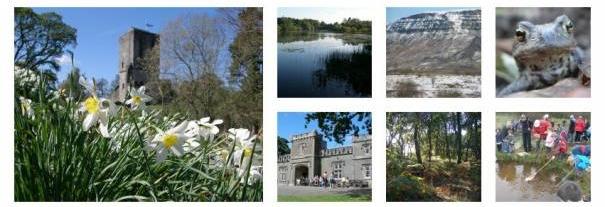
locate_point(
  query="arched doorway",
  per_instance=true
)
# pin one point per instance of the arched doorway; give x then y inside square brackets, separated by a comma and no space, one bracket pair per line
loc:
[301,175]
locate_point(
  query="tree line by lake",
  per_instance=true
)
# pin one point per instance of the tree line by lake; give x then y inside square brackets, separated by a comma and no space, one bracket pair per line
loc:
[348,25]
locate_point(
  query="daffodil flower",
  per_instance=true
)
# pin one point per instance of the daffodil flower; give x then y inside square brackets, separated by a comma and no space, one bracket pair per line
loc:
[169,141]
[255,175]
[26,107]
[138,98]
[201,129]
[96,109]
[241,135]
[204,128]
[244,144]
[207,128]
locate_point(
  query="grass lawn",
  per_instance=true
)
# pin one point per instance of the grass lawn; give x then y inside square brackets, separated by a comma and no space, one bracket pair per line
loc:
[324,198]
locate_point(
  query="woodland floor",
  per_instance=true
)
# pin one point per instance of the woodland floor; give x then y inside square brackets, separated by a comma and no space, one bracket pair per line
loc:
[437,180]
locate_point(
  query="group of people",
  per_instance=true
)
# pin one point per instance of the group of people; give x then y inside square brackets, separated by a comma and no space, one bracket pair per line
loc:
[553,136]
[554,139]
[325,180]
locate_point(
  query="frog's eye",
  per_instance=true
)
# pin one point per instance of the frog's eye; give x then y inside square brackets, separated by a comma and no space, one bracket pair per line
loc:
[569,27]
[520,35]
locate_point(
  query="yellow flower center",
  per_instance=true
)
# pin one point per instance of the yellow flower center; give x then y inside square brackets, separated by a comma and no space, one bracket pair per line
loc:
[137,100]
[247,152]
[92,105]
[24,106]
[169,140]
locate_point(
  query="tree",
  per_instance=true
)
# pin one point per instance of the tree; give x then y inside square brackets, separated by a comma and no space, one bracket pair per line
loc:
[159,89]
[40,38]
[447,141]
[428,135]
[335,126]
[475,126]
[458,138]
[282,146]
[416,139]
[71,85]
[115,83]
[103,87]
[245,70]
[348,25]
[192,49]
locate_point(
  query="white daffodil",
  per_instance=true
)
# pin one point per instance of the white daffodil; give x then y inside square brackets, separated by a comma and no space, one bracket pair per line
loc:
[26,77]
[26,107]
[96,109]
[169,141]
[191,144]
[244,144]
[219,158]
[204,128]
[255,174]
[208,129]
[242,155]
[138,98]
[241,135]
[199,130]
[192,141]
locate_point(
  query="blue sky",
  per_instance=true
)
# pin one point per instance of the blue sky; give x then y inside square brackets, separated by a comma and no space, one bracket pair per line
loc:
[328,15]
[290,123]
[99,30]
[395,13]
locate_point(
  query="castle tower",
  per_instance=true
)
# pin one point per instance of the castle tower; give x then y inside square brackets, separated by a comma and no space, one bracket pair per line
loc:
[134,44]
[305,155]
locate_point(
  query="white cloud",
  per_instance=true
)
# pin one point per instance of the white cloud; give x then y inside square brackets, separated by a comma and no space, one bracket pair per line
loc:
[64,60]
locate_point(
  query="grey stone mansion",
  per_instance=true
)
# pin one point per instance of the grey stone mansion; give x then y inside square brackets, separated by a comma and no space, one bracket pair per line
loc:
[309,157]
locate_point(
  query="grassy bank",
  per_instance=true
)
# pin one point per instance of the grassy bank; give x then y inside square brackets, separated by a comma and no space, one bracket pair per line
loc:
[324,198]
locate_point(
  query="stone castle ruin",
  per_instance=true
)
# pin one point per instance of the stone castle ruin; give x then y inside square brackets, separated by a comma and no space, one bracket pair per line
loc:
[134,44]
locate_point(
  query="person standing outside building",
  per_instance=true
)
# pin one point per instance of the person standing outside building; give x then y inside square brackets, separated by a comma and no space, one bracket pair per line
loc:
[572,129]
[324,177]
[499,138]
[331,179]
[542,130]
[580,127]
[526,130]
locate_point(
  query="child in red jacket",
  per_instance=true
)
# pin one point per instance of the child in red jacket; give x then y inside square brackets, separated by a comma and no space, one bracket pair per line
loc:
[580,127]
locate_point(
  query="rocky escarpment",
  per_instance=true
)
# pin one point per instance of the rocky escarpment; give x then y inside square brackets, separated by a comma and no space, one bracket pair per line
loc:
[449,42]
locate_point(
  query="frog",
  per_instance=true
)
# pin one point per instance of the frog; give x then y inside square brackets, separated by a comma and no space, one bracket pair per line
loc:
[545,54]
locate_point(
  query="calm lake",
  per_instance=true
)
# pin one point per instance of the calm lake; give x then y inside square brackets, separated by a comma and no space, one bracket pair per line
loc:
[324,65]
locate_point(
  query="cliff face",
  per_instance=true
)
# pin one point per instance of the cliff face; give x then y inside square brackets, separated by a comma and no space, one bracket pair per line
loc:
[435,41]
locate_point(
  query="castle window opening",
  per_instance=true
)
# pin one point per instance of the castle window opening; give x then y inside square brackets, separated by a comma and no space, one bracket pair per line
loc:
[366,170]
[337,168]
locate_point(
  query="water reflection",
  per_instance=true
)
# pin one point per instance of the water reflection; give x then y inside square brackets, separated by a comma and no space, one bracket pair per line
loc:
[511,184]
[324,65]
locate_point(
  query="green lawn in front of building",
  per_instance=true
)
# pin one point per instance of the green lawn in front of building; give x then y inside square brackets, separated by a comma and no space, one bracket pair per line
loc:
[324,198]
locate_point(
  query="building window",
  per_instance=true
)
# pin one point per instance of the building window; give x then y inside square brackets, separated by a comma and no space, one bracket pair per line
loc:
[366,148]
[337,167]
[366,170]
[303,148]
[283,174]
